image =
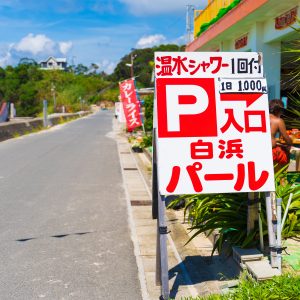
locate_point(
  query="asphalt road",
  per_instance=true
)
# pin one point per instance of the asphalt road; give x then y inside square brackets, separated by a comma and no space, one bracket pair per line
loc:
[64,227]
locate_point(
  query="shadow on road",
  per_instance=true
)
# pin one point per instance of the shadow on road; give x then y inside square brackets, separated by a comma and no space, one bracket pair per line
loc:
[58,236]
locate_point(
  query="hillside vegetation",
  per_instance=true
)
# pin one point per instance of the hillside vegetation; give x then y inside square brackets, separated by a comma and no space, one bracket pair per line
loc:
[26,85]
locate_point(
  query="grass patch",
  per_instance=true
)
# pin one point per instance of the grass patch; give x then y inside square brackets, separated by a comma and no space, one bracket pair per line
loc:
[285,287]
[37,129]
[66,120]
[16,134]
[26,132]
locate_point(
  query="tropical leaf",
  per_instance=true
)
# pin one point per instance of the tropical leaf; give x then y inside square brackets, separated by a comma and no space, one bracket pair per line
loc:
[227,214]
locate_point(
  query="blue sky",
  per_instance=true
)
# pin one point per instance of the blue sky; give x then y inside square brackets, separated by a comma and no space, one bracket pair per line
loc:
[88,31]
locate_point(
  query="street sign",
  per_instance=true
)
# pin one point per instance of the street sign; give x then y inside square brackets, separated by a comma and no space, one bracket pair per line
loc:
[212,118]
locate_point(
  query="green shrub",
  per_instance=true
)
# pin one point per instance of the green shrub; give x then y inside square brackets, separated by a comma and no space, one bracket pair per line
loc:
[147,141]
[285,287]
[227,214]
[148,104]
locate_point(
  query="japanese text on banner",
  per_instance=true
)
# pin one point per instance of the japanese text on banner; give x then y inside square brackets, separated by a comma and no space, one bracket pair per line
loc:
[131,104]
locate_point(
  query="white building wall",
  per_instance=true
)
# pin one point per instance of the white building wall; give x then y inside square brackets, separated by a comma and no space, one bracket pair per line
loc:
[263,37]
[271,56]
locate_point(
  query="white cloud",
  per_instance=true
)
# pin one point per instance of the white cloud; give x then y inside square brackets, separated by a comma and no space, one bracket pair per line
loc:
[179,41]
[5,59]
[107,66]
[150,41]
[65,47]
[36,47]
[141,7]
[110,68]
[35,44]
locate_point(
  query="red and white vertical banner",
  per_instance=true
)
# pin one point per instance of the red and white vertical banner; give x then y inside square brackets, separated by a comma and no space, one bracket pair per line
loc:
[212,120]
[131,104]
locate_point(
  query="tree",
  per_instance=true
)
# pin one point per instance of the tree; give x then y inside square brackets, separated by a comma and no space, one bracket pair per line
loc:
[80,69]
[27,61]
[27,86]
[148,104]
[2,73]
[141,64]
[28,104]
[93,68]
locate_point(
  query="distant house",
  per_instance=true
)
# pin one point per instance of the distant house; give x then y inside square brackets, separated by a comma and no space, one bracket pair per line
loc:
[53,63]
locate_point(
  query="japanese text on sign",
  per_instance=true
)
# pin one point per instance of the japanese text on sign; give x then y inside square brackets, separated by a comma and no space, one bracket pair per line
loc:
[213,130]
[192,65]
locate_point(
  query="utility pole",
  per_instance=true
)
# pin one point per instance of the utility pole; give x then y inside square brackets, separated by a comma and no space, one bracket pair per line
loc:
[131,67]
[132,57]
[189,14]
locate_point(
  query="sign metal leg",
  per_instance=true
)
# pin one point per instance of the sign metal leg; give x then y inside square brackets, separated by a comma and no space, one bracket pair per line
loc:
[158,259]
[159,212]
[163,231]
[271,232]
[154,180]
